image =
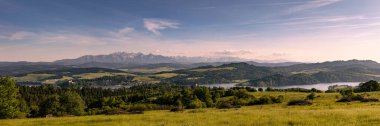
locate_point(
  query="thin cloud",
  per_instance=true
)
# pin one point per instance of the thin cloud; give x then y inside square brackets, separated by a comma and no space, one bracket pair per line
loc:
[126,30]
[330,19]
[123,32]
[312,5]
[20,35]
[155,25]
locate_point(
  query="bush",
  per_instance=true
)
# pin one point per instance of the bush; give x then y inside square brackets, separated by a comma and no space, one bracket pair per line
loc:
[357,98]
[311,96]
[137,109]
[344,99]
[225,105]
[299,102]
[261,89]
[250,89]
[114,111]
[279,99]
[177,109]
[351,98]
[195,104]
[242,93]
[370,100]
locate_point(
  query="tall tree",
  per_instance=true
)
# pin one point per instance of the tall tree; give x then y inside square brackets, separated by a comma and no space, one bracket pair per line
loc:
[8,98]
[72,103]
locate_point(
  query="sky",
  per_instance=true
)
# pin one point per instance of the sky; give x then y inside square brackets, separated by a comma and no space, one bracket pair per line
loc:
[271,30]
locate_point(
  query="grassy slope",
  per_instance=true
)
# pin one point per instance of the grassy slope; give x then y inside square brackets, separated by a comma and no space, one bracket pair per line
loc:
[324,111]
[53,81]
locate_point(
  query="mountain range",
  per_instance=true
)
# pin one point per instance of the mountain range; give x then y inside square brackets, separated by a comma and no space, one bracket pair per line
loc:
[124,60]
[141,59]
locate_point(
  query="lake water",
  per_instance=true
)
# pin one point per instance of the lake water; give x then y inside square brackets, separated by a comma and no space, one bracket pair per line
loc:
[320,86]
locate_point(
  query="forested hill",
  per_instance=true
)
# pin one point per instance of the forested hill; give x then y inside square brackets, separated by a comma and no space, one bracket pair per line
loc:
[203,73]
[326,72]
[227,73]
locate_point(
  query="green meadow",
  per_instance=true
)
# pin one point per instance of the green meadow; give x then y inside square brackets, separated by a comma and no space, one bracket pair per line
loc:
[325,111]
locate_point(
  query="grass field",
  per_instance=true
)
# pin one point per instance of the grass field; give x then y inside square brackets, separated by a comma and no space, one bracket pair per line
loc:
[324,112]
[146,70]
[53,81]
[33,77]
[98,75]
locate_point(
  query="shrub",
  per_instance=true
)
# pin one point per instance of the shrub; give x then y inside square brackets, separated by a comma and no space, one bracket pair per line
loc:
[137,109]
[225,105]
[344,99]
[279,99]
[357,98]
[347,93]
[177,109]
[299,102]
[195,104]
[311,96]
[242,93]
[250,89]
[269,89]
[261,89]
[114,111]
[369,100]
[351,98]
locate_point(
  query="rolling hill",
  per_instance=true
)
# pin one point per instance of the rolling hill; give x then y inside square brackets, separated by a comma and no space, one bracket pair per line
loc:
[246,74]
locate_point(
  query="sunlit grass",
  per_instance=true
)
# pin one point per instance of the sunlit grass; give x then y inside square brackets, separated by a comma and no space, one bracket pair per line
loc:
[33,77]
[53,81]
[165,75]
[324,112]
[98,75]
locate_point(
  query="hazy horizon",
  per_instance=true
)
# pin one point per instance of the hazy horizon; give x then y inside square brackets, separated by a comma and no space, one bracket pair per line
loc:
[288,30]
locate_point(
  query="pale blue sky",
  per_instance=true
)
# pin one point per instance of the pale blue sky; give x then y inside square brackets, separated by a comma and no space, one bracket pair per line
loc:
[293,30]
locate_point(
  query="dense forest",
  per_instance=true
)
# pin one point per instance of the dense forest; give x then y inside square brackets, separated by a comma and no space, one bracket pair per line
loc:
[41,101]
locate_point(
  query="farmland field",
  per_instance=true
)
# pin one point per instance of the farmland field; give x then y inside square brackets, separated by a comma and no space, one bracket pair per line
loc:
[324,111]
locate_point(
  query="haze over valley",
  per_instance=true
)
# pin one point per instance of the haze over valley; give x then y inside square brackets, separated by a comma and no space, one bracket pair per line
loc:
[189,62]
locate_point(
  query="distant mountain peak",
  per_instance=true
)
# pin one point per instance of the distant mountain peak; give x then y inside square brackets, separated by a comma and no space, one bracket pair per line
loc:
[141,58]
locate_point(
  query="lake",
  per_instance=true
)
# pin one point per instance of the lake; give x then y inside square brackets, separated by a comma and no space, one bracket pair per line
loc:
[319,86]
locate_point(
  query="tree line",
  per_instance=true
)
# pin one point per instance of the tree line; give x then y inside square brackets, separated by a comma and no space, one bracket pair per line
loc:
[42,101]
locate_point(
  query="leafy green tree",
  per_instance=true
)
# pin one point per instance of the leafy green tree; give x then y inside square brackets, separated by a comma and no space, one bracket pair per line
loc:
[203,93]
[52,106]
[8,98]
[72,103]
[261,89]
[369,86]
